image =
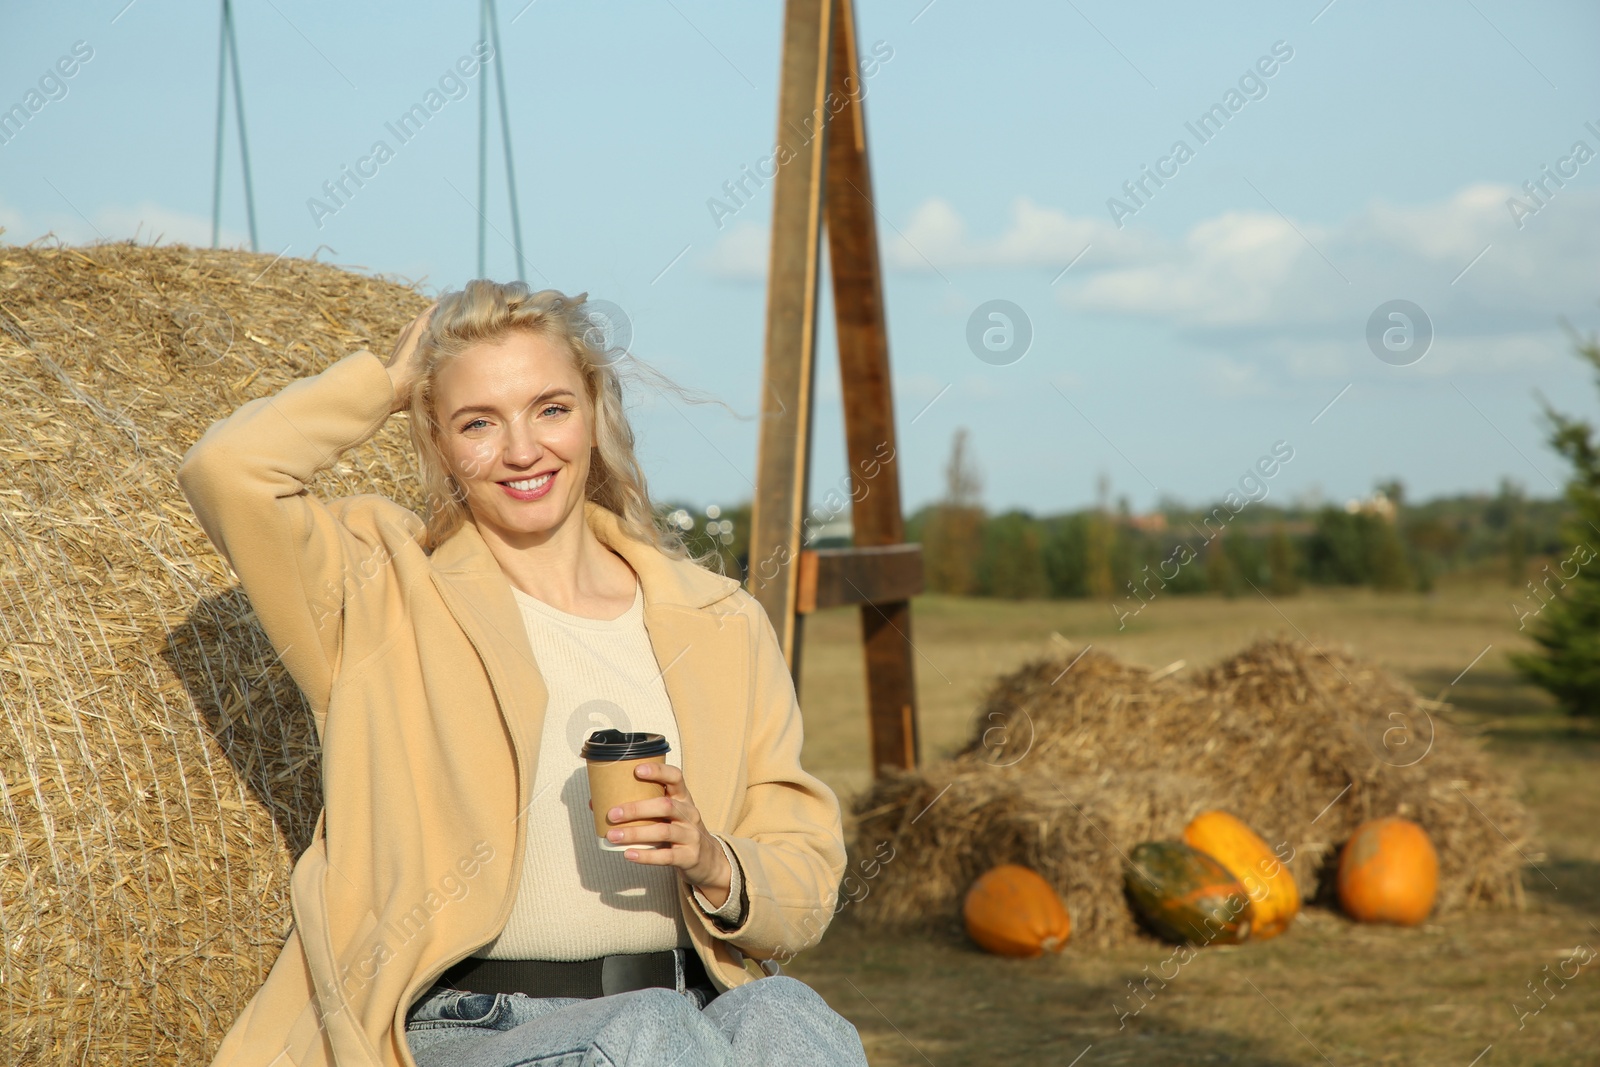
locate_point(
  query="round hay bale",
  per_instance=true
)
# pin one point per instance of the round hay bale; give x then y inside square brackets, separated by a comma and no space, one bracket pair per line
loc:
[159,772]
[1073,762]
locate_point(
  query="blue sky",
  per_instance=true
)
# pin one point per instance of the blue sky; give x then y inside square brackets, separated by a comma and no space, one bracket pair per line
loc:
[1225,310]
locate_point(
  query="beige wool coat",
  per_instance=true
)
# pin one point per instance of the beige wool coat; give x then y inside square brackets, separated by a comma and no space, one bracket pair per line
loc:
[429,705]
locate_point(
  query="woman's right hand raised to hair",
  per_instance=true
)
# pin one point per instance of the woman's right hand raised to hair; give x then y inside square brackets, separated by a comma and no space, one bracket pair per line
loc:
[402,362]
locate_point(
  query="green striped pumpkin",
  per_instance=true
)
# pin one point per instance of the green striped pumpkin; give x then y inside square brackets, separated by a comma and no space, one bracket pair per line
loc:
[1183,895]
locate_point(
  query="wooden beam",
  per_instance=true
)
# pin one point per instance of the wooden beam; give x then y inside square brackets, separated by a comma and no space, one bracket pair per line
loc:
[834,577]
[783,449]
[876,517]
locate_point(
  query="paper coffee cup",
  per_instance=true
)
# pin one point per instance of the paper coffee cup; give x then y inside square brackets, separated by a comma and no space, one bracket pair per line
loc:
[611,756]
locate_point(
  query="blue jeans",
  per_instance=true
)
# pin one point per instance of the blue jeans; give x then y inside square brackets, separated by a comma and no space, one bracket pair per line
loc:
[774,1022]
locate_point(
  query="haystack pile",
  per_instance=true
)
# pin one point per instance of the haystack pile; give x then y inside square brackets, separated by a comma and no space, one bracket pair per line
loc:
[1076,758]
[158,768]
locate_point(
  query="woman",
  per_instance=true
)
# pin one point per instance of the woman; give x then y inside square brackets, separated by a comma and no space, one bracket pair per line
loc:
[455,906]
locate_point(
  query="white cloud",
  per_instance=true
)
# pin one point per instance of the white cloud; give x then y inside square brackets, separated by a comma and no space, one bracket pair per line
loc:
[933,232]
[740,255]
[935,237]
[1293,299]
[1257,270]
[1228,377]
[1337,361]
[154,223]
[1225,272]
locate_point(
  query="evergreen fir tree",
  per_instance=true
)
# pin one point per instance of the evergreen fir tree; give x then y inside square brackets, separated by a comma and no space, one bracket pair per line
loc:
[1567,629]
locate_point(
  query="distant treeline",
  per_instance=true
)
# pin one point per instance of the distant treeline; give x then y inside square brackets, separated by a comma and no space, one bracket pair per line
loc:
[1113,555]
[1110,554]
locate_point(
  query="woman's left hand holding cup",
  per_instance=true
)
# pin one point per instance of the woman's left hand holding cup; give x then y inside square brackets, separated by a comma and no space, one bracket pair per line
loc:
[681,839]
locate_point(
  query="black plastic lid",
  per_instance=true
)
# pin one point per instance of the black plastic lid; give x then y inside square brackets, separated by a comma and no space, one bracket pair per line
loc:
[609,746]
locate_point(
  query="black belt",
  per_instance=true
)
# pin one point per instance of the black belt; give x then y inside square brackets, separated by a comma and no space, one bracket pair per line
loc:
[577,978]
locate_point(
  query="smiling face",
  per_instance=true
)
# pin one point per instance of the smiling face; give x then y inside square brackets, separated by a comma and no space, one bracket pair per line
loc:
[516,427]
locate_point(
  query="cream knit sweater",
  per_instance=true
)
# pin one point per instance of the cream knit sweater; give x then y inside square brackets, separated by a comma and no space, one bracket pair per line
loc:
[576,900]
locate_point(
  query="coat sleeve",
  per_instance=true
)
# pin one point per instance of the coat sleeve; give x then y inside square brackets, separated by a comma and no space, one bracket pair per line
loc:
[246,480]
[788,835]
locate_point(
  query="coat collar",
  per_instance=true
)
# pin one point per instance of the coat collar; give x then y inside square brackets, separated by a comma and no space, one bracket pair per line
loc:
[663,579]
[703,654]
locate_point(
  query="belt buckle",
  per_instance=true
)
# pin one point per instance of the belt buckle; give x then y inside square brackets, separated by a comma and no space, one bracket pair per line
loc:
[625,973]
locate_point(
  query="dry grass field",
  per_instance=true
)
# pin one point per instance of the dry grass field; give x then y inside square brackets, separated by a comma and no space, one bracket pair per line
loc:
[1458,990]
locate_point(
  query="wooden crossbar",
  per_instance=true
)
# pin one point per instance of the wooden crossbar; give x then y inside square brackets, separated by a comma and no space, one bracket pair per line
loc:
[879,575]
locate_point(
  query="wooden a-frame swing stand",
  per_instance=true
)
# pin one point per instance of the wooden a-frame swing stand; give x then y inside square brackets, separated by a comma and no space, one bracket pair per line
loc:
[824,177]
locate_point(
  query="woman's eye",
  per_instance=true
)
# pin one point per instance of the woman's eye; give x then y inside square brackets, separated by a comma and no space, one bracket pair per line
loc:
[553,407]
[471,424]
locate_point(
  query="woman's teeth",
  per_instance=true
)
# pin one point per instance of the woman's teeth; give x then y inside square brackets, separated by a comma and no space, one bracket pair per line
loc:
[531,483]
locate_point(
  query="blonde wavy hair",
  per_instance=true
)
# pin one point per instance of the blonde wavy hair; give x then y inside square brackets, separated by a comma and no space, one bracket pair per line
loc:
[485,312]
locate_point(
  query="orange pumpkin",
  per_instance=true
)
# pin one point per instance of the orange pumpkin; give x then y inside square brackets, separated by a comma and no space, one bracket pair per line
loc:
[1011,911]
[1274,898]
[1388,873]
